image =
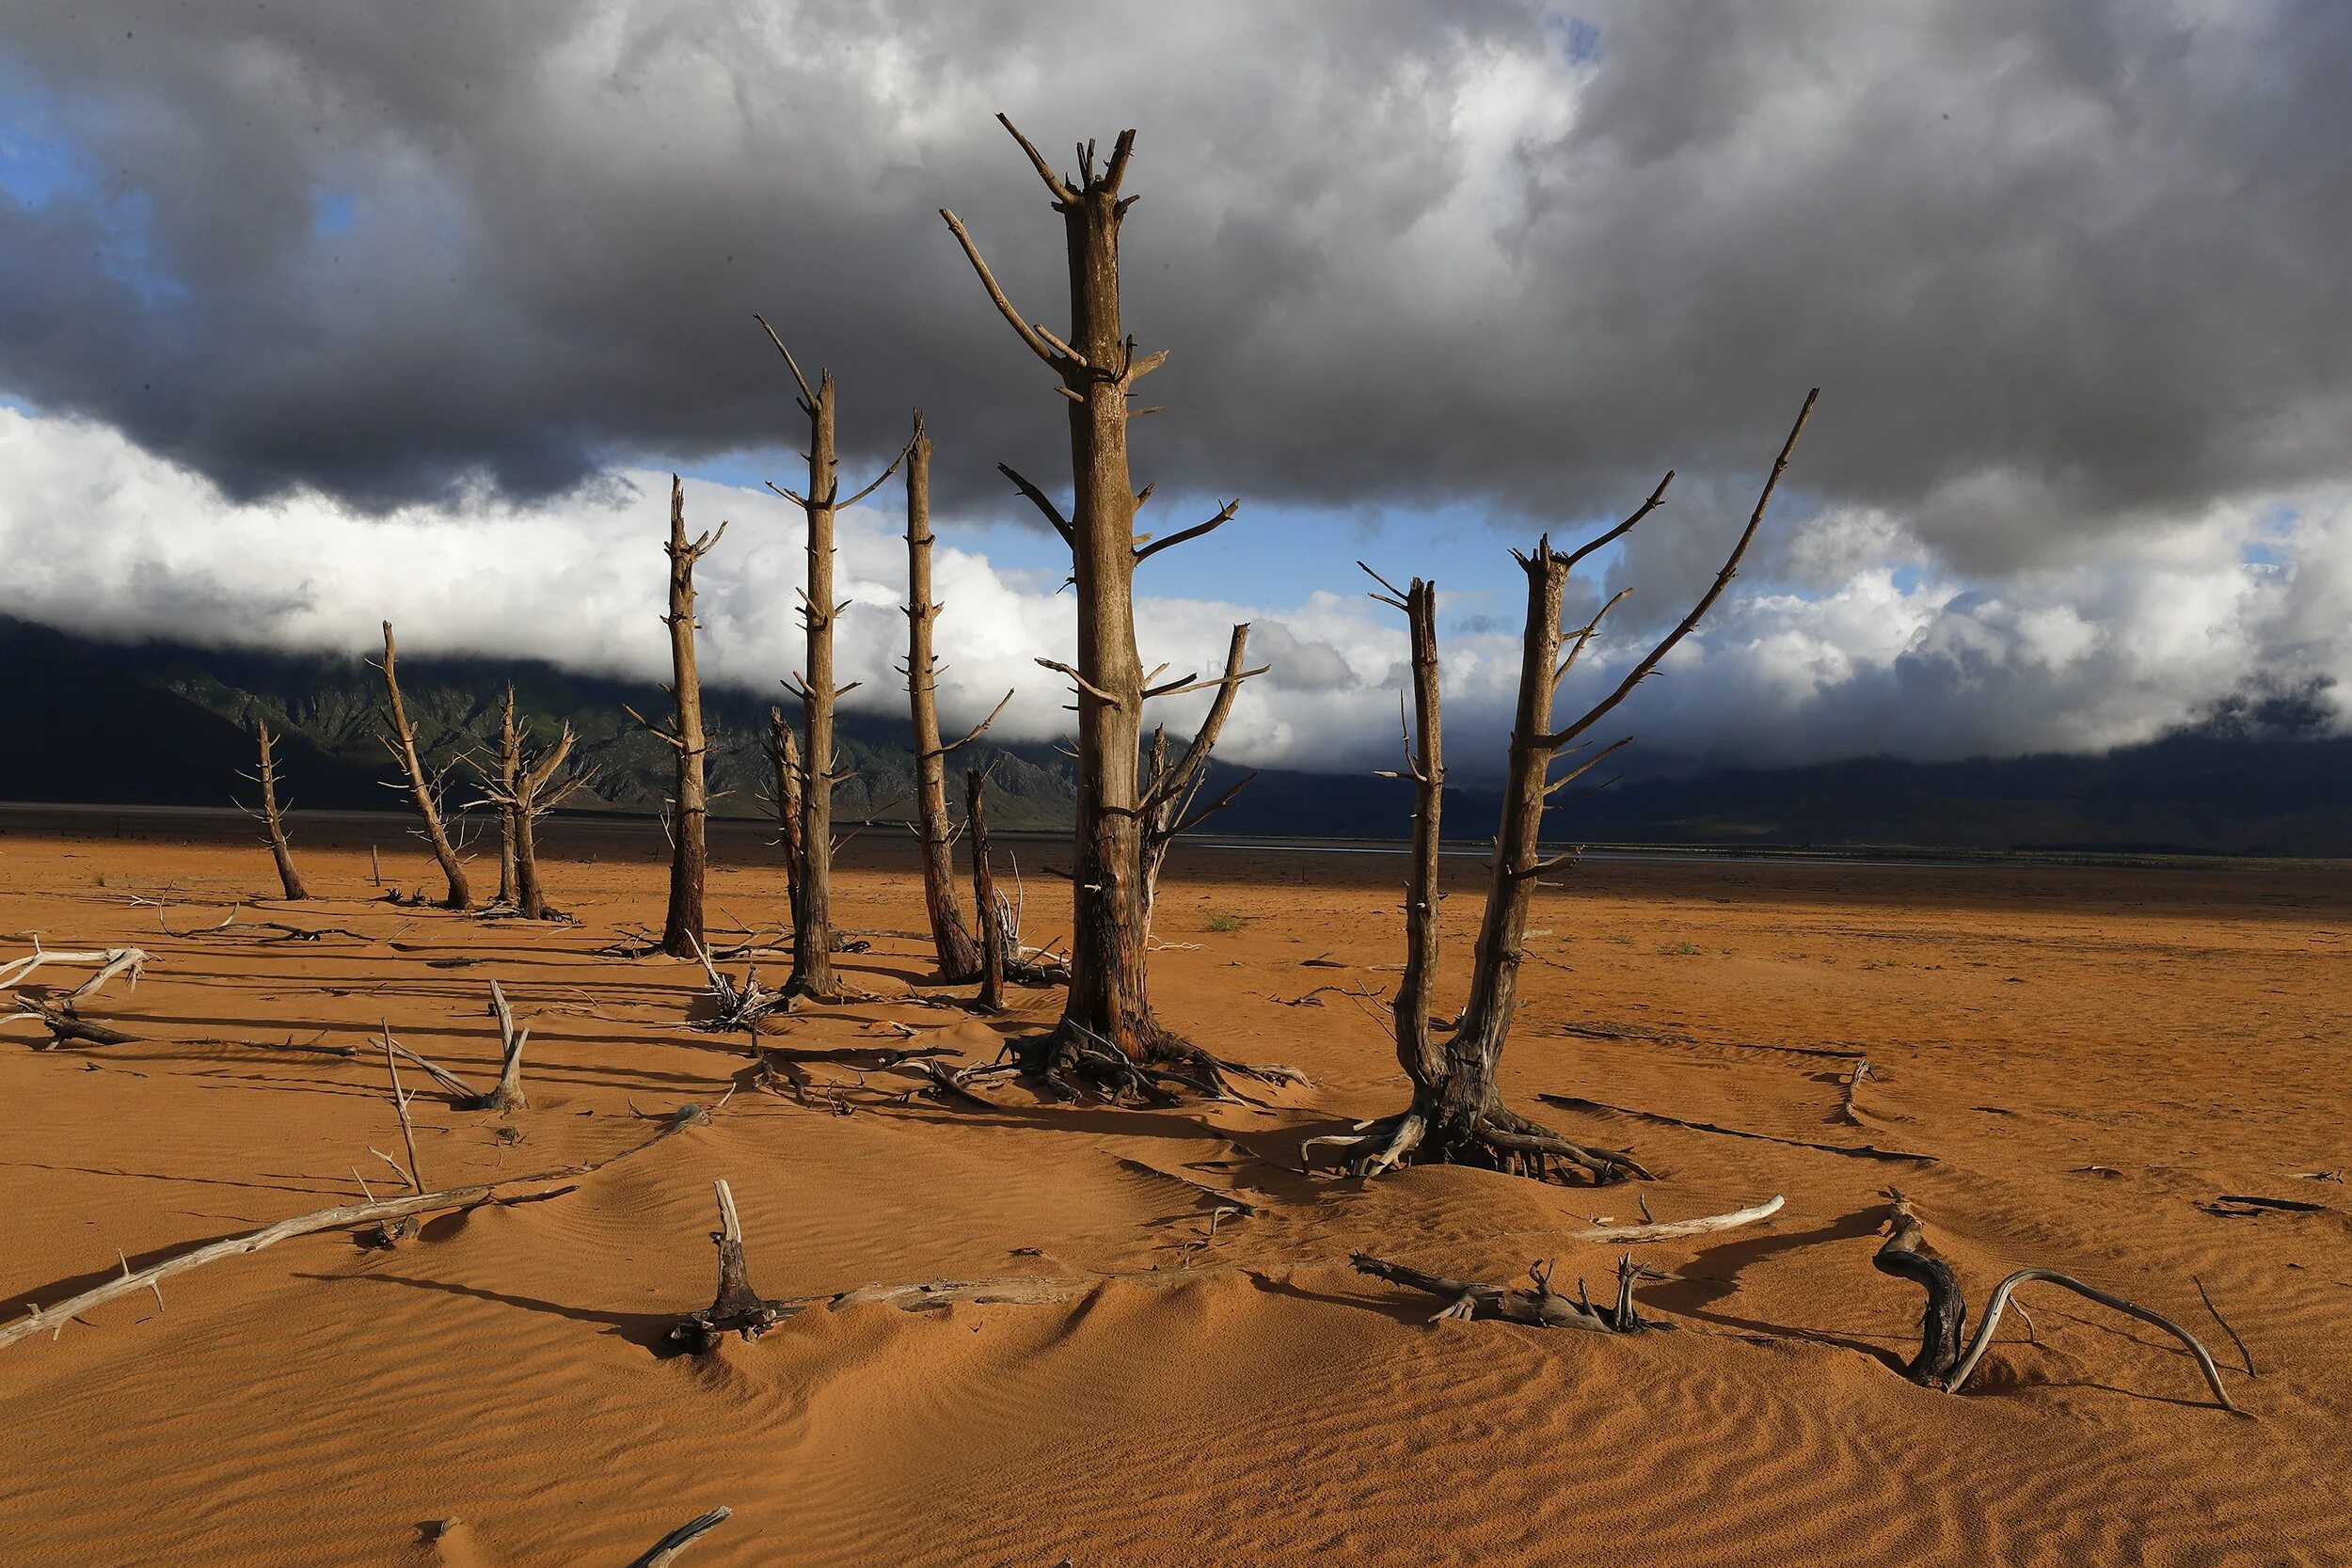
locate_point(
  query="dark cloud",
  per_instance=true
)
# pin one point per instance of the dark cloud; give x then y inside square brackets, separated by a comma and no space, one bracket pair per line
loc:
[2067,273]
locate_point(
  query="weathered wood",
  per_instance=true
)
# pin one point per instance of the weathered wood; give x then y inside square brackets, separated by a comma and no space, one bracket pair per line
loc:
[529,787]
[400,1104]
[1172,790]
[665,1551]
[1669,1230]
[783,761]
[1541,1307]
[689,797]
[400,739]
[736,1308]
[952,943]
[510,764]
[55,1317]
[507,1096]
[991,911]
[273,813]
[1098,367]
[130,963]
[813,940]
[1907,1254]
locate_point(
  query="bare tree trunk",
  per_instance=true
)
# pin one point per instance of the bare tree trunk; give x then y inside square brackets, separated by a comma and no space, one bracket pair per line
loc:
[400,740]
[538,790]
[1168,799]
[959,955]
[273,816]
[813,941]
[1457,1115]
[984,895]
[510,768]
[1108,1003]
[784,757]
[682,927]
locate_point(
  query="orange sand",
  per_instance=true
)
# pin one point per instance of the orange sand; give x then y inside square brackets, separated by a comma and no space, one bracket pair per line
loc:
[318,1404]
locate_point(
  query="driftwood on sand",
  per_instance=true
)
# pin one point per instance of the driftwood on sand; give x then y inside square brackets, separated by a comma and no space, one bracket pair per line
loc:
[1539,1307]
[666,1550]
[1943,1361]
[53,1317]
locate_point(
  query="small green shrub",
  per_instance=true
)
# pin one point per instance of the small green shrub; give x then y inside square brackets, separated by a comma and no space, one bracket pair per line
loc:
[1223,920]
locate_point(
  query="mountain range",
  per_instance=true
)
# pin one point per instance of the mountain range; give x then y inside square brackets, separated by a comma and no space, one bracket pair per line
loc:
[161,724]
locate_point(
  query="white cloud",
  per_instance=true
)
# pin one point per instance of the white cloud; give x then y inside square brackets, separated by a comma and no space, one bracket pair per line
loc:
[1843,655]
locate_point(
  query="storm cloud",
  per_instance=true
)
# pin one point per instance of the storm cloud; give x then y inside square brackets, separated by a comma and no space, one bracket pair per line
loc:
[2072,277]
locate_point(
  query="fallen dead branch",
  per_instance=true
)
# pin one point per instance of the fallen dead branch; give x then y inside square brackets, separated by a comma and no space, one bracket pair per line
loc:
[66,1025]
[1857,1151]
[1667,1230]
[55,1317]
[129,963]
[2206,1296]
[1541,1307]
[665,1551]
[1943,1362]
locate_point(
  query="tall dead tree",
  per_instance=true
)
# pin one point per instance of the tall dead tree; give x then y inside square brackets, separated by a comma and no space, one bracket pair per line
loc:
[959,954]
[510,770]
[813,939]
[1108,1008]
[690,798]
[272,814]
[1457,1115]
[400,739]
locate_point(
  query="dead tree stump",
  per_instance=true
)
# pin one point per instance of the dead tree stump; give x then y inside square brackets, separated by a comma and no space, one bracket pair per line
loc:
[738,1308]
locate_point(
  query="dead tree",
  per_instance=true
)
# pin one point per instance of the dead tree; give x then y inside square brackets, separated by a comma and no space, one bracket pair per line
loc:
[783,794]
[540,783]
[1172,791]
[690,799]
[1457,1115]
[273,813]
[510,772]
[812,943]
[508,1096]
[736,1308]
[1108,1011]
[959,955]
[400,739]
[1943,1360]
[991,911]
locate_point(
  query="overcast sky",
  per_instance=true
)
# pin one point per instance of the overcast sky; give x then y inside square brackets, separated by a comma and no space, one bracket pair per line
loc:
[316,313]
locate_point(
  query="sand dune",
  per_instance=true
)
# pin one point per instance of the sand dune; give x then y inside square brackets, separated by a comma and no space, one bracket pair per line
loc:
[1245,1399]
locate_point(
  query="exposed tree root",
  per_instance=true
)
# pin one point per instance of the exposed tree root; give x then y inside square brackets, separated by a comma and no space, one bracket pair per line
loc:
[1499,1140]
[1942,1361]
[1541,1307]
